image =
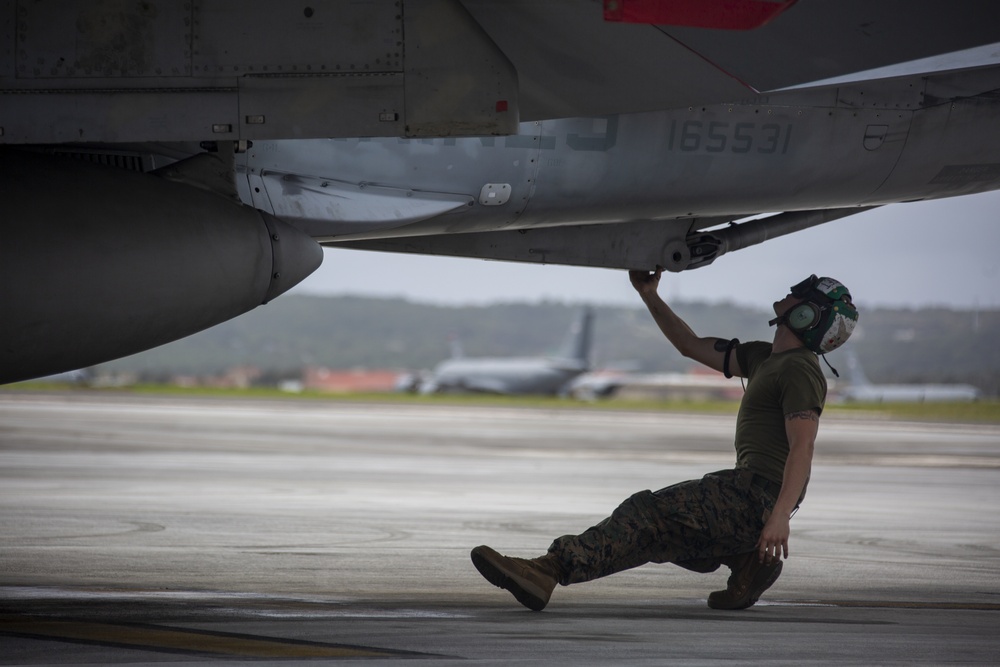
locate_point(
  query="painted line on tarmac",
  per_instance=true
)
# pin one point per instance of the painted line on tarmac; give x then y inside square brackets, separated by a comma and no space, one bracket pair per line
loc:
[182,640]
[893,604]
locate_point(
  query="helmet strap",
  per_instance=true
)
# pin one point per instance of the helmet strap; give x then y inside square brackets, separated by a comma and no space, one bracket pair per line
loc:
[835,373]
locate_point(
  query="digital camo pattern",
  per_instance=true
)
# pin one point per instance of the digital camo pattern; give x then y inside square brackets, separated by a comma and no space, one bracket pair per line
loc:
[697,525]
[839,331]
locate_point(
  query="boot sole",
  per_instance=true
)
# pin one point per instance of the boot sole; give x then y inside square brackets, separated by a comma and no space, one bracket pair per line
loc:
[482,559]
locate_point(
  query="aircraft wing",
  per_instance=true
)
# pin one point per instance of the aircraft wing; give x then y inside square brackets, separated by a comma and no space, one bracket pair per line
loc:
[222,70]
[574,60]
[815,40]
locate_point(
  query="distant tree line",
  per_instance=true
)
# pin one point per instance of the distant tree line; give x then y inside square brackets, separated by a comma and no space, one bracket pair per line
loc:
[280,338]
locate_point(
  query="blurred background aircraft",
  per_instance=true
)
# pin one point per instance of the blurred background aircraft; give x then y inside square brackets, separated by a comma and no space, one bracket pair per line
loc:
[859,389]
[550,375]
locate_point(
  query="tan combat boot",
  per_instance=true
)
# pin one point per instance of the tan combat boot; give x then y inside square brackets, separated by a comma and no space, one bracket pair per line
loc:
[749,580]
[530,581]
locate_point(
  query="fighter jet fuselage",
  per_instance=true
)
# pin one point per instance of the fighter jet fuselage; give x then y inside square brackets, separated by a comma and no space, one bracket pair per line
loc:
[635,190]
[167,166]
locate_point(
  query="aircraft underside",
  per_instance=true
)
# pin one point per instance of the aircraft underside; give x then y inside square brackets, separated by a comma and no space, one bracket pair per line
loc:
[127,226]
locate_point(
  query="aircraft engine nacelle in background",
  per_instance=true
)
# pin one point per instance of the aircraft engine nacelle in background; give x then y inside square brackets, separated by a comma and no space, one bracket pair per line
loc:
[97,262]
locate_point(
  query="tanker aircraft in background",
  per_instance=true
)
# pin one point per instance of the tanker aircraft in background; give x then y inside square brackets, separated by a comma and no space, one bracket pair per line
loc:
[168,165]
[546,375]
[859,388]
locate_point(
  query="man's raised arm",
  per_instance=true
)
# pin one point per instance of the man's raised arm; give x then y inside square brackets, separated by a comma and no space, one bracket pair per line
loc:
[708,351]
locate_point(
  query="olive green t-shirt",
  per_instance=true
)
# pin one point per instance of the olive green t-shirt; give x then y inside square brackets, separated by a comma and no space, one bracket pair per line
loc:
[777,385]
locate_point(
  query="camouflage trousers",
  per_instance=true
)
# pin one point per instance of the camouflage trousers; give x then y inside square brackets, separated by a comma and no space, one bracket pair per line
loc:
[696,525]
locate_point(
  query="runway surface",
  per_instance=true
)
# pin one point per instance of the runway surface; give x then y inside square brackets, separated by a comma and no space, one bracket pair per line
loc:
[153,530]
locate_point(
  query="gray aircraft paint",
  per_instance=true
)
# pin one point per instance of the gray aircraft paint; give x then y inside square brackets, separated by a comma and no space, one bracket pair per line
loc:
[523,375]
[665,138]
[647,181]
[859,388]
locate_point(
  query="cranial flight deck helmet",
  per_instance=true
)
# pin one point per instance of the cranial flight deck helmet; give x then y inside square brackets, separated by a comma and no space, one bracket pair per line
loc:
[825,318]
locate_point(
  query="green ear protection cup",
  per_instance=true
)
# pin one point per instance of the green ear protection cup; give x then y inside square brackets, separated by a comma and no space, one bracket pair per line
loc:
[803,317]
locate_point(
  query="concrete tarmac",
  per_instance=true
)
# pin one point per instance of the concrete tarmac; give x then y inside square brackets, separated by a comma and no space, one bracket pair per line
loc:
[161,530]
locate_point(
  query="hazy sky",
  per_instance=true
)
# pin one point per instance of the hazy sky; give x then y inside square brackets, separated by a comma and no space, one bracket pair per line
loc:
[942,252]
